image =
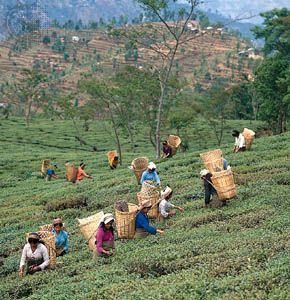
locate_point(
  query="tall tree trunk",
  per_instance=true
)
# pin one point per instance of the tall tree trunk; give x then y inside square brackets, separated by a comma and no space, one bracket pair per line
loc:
[28,113]
[151,138]
[158,126]
[116,134]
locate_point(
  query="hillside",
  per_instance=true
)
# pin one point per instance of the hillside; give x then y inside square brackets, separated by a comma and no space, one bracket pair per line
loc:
[238,252]
[206,56]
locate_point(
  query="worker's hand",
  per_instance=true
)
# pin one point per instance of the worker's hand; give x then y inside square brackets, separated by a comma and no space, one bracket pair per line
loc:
[34,269]
[21,272]
[181,209]
[160,231]
[108,253]
[90,177]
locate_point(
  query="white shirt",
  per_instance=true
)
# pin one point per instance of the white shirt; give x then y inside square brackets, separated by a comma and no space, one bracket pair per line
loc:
[240,141]
[164,207]
[40,253]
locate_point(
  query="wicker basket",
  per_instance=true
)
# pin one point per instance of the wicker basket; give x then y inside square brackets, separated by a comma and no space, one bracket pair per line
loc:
[111,158]
[148,188]
[139,166]
[224,184]
[48,238]
[44,166]
[154,199]
[213,160]
[125,222]
[174,141]
[249,137]
[89,226]
[49,227]
[71,172]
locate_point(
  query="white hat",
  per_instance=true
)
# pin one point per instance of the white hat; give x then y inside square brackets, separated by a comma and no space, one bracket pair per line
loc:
[166,192]
[107,218]
[151,165]
[203,172]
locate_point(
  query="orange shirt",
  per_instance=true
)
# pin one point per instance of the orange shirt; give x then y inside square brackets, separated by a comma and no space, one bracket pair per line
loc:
[81,174]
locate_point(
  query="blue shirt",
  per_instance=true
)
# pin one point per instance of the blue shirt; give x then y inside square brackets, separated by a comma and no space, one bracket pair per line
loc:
[61,240]
[142,222]
[50,172]
[225,164]
[152,176]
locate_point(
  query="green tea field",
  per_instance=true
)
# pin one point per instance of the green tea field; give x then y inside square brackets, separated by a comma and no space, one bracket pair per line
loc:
[237,252]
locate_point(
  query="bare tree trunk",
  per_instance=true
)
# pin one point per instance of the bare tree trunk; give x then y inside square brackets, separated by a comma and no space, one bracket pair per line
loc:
[27,113]
[151,138]
[116,134]
[158,126]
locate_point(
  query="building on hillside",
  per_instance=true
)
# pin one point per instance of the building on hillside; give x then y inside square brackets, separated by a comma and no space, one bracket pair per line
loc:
[193,26]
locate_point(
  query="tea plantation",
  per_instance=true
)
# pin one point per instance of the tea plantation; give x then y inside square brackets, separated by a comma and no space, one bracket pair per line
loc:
[240,251]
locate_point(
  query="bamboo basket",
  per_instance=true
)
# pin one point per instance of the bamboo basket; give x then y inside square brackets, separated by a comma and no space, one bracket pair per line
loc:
[154,199]
[111,158]
[48,238]
[89,226]
[224,184]
[49,227]
[249,137]
[44,166]
[125,222]
[139,166]
[174,141]
[71,172]
[213,160]
[148,188]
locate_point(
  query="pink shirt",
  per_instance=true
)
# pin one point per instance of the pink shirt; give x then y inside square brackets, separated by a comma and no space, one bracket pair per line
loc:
[103,236]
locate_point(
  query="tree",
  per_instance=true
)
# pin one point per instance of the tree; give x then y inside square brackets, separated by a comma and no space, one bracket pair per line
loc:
[272,87]
[216,108]
[28,92]
[101,101]
[275,31]
[46,40]
[163,40]
[271,80]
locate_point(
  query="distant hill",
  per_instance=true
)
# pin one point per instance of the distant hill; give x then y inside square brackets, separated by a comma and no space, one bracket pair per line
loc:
[88,10]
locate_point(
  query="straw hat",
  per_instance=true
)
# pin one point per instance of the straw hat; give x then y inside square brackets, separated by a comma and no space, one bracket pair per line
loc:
[108,218]
[166,192]
[151,165]
[57,221]
[34,235]
[204,172]
[145,204]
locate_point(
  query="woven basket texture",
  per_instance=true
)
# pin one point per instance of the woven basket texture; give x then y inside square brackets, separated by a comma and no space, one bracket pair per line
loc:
[213,160]
[125,222]
[140,165]
[111,155]
[44,166]
[224,184]
[89,226]
[249,137]
[71,172]
[154,199]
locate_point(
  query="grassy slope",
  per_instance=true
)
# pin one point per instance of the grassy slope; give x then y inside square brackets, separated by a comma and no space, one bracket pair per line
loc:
[238,252]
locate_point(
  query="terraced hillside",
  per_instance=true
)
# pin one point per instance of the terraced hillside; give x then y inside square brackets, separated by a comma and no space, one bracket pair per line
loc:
[238,252]
[200,60]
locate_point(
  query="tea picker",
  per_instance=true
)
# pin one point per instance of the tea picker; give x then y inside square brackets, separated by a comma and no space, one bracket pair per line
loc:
[240,142]
[209,190]
[105,245]
[34,256]
[143,227]
[167,209]
[150,174]
[81,174]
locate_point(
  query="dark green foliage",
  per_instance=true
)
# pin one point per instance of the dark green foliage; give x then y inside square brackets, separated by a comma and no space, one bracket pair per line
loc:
[61,204]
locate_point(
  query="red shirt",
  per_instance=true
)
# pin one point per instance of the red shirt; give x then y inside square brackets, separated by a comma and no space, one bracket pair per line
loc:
[81,174]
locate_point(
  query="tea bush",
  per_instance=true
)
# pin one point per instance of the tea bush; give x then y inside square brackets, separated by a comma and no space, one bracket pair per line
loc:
[240,251]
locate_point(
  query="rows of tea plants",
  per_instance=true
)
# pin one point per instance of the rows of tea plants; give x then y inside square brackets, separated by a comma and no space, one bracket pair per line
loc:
[240,251]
